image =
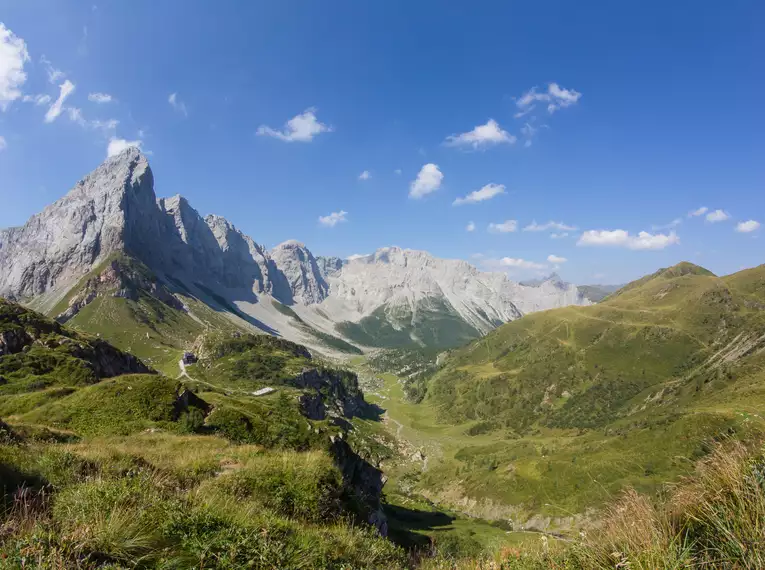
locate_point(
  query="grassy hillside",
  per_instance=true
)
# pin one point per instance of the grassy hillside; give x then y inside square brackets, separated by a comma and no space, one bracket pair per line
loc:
[712,519]
[560,410]
[121,300]
[102,469]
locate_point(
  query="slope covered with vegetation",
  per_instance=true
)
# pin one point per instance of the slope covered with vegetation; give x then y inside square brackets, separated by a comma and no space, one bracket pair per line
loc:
[556,412]
[104,468]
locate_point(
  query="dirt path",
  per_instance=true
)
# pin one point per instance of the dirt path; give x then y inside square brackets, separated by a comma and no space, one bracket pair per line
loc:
[184,374]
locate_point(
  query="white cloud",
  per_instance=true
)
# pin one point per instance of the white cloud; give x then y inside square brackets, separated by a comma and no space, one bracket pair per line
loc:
[13,56]
[622,238]
[552,258]
[482,136]
[718,216]
[673,224]
[3,143]
[556,97]
[535,227]
[428,180]
[54,75]
[747,226]
[116,146]
[357,256]
[559,235]
[177,104]
[37,99]
[333,219]
[100,98]
[561,97]
[397,171]
[698,212]
[486,193]
[505,227]
[301,128]
[470,227]
[520,263]
[65,89]
[366,175]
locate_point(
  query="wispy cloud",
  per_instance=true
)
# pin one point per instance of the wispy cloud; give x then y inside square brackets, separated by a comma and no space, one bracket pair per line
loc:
[520,263]
[301,128]
[428,180]
[366,175]
[470,227]
[747,226]
[177,104]
[698,212]
[13,56]
[556,259]
[481,136]
[717,216]
[38,100]
[673,224]
[333,219]
[3,143]
[622,238]
[486,193]
[555,96]
[65,90]
[100,98]
[54,75]
[560,235]
[508,226]
[106,127]
[535,227]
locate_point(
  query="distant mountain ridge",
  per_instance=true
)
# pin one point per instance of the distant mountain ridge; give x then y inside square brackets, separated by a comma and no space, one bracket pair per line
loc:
[392,297]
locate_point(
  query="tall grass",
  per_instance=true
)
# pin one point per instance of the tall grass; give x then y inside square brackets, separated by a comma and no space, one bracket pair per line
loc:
[712,519]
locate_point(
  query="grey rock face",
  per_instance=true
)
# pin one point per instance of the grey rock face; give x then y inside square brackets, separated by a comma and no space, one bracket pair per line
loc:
[329,265]
[299,266]
[115,210]
[62,242]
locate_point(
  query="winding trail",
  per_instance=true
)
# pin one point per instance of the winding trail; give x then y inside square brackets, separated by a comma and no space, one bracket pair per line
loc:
[184,374]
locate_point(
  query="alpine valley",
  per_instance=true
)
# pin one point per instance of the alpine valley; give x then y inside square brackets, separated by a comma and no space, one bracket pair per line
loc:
[175,395]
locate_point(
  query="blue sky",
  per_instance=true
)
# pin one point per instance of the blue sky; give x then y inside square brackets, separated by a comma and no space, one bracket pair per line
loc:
[634,114]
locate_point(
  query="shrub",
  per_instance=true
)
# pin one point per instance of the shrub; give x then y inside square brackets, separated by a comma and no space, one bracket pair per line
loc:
[191,420]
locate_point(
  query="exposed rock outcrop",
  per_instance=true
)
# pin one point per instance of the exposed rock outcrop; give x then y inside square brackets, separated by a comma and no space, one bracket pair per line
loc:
[364,479]
[336,391]
[301,271]
[21,329]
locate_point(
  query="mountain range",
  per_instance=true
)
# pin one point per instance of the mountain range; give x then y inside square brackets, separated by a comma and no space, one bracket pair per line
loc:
[110,236]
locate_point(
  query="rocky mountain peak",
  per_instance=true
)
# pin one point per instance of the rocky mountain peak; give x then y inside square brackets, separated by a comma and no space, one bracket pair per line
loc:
[302,272]
[115,210]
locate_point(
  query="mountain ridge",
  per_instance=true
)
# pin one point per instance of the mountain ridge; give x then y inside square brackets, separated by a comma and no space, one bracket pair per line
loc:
[114,210]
